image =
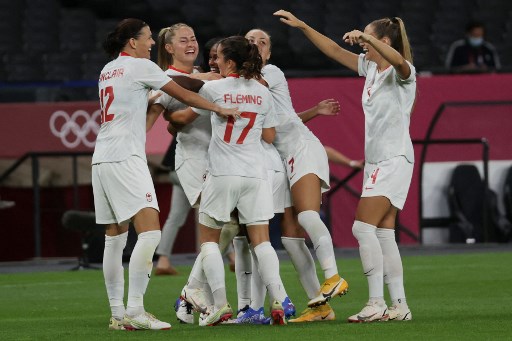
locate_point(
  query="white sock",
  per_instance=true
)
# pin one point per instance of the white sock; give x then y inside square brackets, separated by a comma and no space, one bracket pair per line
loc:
[180,206]
[393,270]
[243,271]
[371,257]
[319,234]
[197,278]
[113,272]
[269,270]
[258,288]
[213,267]
[141,263]
[303,263]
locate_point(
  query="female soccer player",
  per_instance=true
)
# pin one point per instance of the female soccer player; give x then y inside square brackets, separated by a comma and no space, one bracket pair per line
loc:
[122,185]
[177,52]
[237,173]
[388,99]
[308,174]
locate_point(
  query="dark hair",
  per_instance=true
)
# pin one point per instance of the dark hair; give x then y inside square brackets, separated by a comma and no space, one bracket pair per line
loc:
[245,55]
[470,26]
[165,37]
[205,67]
[124,31]
[394,29]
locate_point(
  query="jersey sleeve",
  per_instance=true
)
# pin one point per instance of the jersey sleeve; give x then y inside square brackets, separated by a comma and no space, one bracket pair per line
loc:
[362,65]
[206,94]
[149,74]
[273,76]
[164,99]
[411,78]
[270,119]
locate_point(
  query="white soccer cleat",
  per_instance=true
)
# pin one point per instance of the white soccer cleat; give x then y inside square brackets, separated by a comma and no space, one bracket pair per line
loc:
[217,316]
[399,312]
[196,297]
[372,312]
[145,321]
[204,316]
[184,311]
[116,324]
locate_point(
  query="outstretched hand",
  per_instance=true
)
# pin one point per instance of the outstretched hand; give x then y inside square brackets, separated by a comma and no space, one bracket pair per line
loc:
[328,107]
[288,18]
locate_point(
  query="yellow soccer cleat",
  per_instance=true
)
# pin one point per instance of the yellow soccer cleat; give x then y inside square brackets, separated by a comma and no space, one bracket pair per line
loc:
[319,313]
[333,286]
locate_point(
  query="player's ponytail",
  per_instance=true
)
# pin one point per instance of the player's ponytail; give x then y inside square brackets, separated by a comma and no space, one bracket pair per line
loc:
[245,55]
[124,31]
[394,29]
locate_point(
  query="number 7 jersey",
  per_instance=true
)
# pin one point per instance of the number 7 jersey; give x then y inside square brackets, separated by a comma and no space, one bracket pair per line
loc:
[235,147]
[124,86]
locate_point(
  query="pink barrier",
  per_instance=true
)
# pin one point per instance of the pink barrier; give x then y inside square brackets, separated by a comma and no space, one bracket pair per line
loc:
[73,126]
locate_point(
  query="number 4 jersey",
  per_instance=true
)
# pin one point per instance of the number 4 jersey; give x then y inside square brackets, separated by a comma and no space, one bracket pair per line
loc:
[235,147]
[124,86]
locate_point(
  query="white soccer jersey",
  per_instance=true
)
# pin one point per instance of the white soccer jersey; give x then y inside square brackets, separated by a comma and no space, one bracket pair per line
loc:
[235,147]
[290,128]
[387,104]
[194,138]
[273,160]
[124,86]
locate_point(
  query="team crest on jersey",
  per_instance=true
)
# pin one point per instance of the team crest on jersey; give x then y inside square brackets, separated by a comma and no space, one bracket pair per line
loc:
[149,197]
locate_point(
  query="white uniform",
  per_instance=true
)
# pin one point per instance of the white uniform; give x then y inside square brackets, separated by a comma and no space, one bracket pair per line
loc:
[298,146]
[387,103]
[192,147]
[122,184]
[236,158]
[277,179]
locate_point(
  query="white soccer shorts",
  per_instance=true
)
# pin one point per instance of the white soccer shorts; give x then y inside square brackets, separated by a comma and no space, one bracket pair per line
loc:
[121,189]
[389,178]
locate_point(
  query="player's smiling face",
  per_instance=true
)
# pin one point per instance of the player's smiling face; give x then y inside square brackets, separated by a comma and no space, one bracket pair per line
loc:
[226,67]
[212,59]
[262,40]
[143,43]
[184,47]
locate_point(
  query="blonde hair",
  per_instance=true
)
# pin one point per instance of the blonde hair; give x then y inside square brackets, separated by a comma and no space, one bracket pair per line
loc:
[165,37]
[394,29]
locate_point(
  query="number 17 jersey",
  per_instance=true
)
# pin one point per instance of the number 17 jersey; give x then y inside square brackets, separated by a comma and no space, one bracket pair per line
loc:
[235,147]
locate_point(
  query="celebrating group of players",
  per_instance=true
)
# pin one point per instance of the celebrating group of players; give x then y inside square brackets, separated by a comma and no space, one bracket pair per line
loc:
[243,154]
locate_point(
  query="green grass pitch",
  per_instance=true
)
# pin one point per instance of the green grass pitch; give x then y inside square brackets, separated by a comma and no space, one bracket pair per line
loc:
[452,297]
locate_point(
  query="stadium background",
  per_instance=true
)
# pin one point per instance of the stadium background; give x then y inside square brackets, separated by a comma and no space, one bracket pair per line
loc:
[51,57]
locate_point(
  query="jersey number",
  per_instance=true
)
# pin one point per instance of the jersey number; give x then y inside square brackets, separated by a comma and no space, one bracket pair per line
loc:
[109,93]
[231,122]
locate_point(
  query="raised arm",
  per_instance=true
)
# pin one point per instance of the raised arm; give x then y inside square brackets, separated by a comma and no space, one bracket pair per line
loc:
[194,100]
[391,55]
[323,43]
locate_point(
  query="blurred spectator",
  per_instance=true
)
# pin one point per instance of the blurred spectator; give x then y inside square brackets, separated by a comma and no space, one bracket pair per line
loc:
[472,54]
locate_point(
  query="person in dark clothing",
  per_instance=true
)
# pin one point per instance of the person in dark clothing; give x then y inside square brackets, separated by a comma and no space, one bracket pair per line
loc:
[473,53]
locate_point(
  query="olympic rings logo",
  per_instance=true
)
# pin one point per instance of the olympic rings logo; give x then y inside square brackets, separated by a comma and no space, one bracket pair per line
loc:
[77,128]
